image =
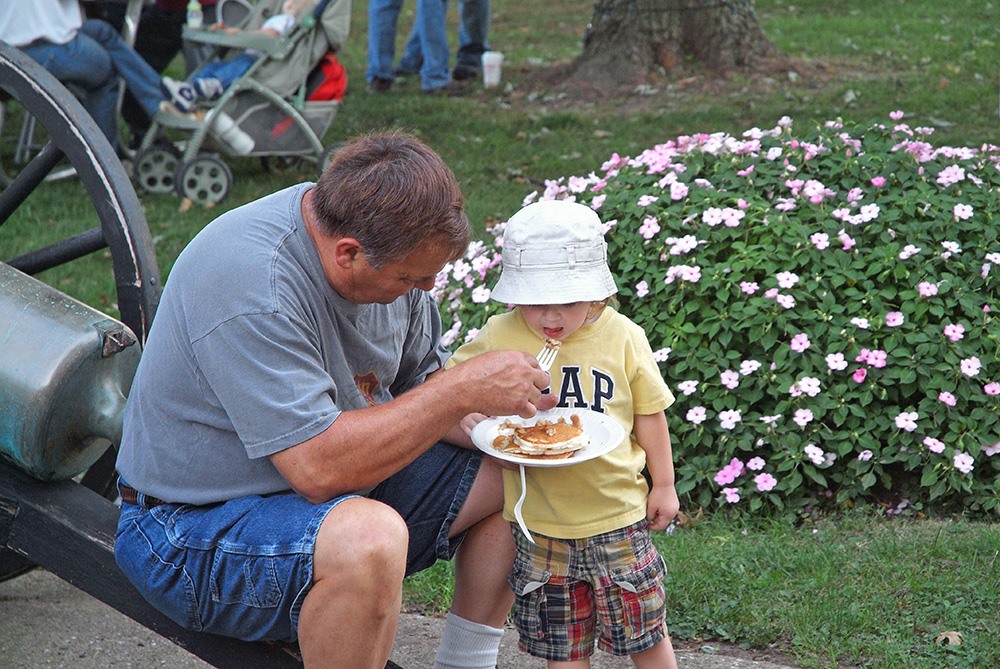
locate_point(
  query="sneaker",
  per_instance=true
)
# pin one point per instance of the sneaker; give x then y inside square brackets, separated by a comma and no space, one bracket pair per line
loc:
[461,73]
[379,85]
[182,94]
[209,88]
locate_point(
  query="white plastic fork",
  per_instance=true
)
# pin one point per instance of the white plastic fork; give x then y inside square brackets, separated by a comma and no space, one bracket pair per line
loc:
[547,356]
[519,504]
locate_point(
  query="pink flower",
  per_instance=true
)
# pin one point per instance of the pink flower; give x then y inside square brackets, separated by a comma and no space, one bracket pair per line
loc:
[894,319]
[820,240]
[907,420]
[732,494]
[786,279]
[954,331]
[696,415]
[729,419]
[865,455]
[765,482]
[971,366]
[755,464]
[641,289]
[992,388]
[933,445]
[859,374]
[963,462]
[896,115]
[962,212]
[802,417]
[815,454]
[800,342]
[646,200]
[749,287]
[729,378]
[649,227]
[878,182]
[947,398]
[725,476]
[927,289]
[688,387]
[877,358]
[836,362]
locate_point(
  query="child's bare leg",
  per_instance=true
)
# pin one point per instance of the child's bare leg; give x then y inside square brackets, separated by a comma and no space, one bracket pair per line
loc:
[660,656]
[574,664]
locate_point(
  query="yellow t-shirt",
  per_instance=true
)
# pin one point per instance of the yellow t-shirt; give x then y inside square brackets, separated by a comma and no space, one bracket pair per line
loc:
[606,366]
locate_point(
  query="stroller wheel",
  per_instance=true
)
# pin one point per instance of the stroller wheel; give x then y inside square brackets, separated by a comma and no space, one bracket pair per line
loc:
[154,169]
[205,180]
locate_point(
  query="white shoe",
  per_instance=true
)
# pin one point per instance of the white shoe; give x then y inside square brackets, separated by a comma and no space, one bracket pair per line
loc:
[182,94]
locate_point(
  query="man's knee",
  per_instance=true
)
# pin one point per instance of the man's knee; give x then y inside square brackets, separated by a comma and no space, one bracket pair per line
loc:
[361,538]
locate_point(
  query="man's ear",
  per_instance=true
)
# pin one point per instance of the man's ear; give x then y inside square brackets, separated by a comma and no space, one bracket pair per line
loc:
[346,252]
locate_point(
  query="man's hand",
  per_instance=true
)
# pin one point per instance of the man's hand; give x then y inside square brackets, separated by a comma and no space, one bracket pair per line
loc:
[504,383]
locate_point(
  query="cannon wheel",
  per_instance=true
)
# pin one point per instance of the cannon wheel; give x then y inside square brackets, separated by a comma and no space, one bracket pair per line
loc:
[74,135]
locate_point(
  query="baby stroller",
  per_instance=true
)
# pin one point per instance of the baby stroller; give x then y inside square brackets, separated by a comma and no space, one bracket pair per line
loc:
[274,109]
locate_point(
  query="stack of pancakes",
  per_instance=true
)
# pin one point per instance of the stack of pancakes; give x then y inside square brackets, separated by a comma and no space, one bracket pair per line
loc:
[545,439]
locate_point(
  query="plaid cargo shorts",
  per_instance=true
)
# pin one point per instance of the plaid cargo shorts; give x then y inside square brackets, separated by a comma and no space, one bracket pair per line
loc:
[568,590]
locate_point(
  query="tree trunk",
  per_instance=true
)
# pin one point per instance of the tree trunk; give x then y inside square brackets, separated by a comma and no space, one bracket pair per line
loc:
[629,39]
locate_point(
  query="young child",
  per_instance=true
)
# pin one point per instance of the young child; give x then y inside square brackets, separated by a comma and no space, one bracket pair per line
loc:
[593,573]
[214,77]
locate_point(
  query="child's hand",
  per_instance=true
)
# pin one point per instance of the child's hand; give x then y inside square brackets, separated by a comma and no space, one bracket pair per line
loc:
[662,506]
[471,421]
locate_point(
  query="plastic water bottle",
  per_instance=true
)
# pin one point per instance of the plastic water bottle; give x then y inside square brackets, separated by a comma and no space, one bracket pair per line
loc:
[195,17]
[225,130]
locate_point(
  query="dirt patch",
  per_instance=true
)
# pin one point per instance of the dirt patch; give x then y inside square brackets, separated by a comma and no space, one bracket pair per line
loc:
[772,654]
[552,86]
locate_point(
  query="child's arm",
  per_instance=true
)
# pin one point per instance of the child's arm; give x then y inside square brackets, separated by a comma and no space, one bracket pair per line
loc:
[654,438]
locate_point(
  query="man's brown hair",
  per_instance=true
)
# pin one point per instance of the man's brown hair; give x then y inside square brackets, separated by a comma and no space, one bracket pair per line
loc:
[392,193]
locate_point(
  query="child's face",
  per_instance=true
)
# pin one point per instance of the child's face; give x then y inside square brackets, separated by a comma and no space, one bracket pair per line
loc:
[556,321]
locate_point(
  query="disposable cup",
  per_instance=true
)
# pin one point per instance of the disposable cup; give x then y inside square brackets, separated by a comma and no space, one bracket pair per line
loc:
[492,64]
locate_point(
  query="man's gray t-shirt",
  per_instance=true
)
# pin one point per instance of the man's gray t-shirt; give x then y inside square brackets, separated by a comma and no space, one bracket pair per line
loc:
[252,351]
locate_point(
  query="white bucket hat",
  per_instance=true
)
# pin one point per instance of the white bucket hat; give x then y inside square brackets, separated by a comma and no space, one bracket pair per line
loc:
[554,253]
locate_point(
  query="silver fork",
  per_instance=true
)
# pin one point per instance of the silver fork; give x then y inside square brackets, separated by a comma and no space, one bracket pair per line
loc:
[547,355]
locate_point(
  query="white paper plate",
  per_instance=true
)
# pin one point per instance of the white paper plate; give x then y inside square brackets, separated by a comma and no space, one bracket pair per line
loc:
[605,434]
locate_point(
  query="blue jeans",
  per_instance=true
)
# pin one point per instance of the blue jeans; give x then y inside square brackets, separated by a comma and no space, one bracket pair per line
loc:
[383,16]
[226,71]
[93,61]
[242,568]
[473,28]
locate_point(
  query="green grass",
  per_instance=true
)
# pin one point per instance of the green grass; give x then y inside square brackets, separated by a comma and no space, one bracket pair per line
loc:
[852,591]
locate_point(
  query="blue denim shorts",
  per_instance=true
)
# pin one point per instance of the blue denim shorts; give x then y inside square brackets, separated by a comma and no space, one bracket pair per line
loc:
[242,568]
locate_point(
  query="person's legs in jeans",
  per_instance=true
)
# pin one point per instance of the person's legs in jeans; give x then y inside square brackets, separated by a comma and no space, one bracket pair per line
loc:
[412,59]
[473,30]
[158,41]
[85,63]
[142,81]
[434,73]
[382,18]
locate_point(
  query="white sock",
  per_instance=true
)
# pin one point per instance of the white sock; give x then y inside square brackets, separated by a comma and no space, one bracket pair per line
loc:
[467,645]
